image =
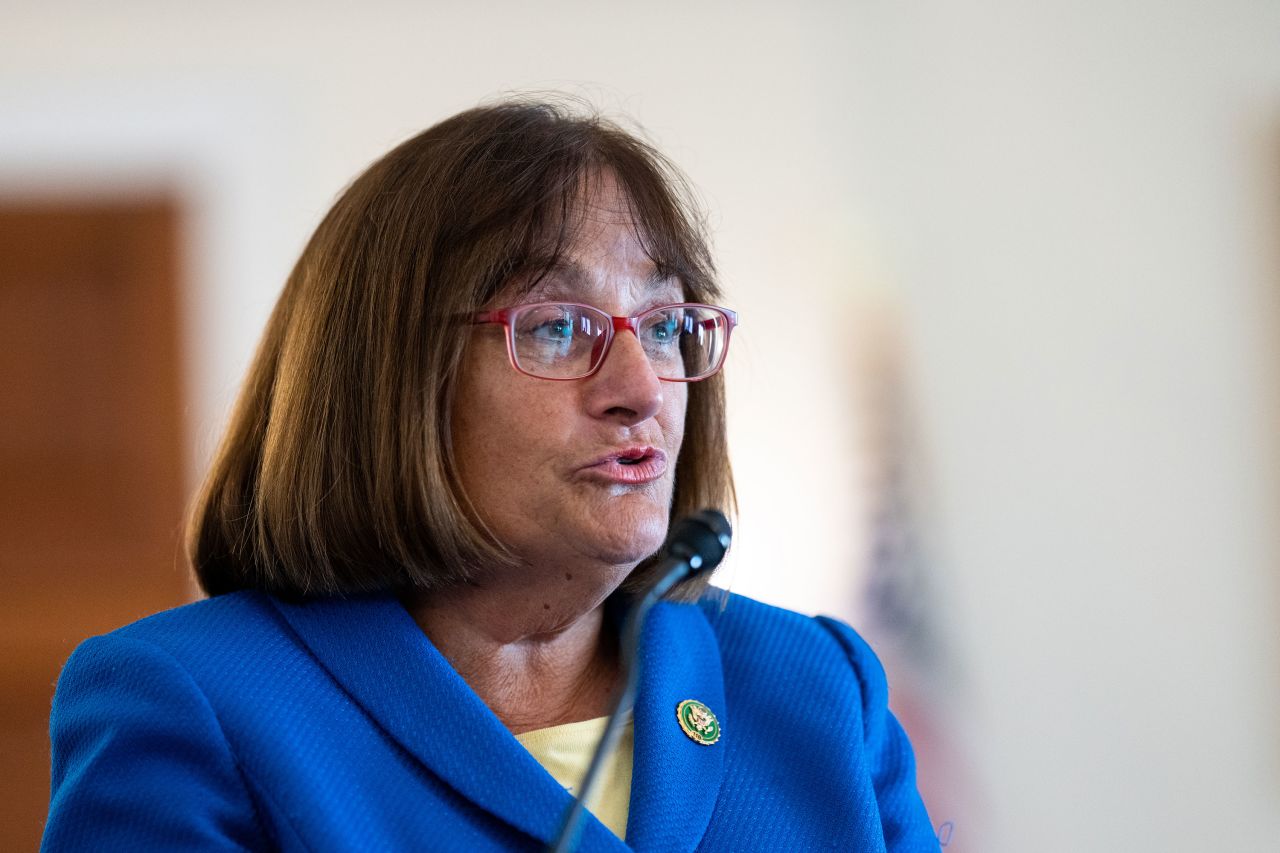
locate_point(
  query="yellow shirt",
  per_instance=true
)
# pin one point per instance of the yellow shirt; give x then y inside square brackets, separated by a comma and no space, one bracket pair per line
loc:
[565,751]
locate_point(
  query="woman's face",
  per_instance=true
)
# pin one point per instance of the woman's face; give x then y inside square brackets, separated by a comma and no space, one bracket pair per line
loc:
[539,459]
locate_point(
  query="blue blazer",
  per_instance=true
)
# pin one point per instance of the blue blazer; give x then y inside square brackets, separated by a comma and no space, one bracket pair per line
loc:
[246,722]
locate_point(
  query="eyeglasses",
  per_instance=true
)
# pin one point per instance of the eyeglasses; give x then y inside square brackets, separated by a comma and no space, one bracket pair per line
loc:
[565,340]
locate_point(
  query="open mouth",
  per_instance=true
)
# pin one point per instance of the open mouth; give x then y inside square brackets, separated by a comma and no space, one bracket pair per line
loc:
[631,465]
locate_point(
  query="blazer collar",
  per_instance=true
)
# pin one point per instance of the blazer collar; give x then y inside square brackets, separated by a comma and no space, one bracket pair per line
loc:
[675,781]
[379,655]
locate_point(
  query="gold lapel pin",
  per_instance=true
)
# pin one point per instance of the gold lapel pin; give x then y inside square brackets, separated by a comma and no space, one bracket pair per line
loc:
[697,721]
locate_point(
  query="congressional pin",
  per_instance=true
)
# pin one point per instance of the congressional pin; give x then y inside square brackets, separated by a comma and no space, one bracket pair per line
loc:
[698,722]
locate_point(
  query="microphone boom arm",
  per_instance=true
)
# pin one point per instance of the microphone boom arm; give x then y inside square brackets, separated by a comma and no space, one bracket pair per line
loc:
[697,543]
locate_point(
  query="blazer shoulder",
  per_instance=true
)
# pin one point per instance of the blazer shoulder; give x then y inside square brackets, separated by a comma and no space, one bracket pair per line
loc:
[131,734]
[774,639]
[741,620]
[779,657]
[241,619]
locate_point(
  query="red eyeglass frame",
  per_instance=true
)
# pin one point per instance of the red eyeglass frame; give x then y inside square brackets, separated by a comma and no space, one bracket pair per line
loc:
[503,316]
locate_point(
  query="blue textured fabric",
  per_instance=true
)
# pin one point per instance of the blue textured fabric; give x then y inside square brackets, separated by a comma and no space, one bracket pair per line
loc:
[245,722]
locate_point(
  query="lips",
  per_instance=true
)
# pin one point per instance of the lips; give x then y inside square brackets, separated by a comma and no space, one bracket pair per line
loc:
[629,466]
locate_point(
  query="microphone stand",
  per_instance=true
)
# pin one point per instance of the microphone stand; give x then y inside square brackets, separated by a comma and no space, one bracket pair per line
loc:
[690,550]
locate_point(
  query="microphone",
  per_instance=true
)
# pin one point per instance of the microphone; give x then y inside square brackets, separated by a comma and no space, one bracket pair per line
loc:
[700,540]
[696,543]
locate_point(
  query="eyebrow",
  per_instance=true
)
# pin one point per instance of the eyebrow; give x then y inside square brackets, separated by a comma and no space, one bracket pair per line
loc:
[572,274]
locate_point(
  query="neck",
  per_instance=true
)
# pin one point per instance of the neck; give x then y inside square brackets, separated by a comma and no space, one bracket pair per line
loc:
[533,664]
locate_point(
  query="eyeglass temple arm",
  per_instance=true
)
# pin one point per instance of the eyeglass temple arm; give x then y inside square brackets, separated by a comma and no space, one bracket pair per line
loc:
[498,316]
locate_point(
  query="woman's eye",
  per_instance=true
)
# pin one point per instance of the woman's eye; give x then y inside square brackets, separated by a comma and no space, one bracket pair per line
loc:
[663,329]
[558,329]
[554,329]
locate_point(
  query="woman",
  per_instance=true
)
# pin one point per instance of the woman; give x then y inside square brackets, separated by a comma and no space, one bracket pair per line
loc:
[489,384]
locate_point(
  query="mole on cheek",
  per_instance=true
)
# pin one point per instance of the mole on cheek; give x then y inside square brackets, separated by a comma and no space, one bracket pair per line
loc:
[568,576]
[546,606]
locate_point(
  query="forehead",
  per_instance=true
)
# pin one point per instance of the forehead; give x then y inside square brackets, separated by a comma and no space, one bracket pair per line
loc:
[582,278]
[604,256]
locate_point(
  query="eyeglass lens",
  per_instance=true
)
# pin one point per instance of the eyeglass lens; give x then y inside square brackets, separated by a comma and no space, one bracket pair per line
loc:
[562,341]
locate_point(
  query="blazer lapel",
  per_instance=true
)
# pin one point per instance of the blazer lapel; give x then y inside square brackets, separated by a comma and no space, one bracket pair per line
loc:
[675,781]
[378,654]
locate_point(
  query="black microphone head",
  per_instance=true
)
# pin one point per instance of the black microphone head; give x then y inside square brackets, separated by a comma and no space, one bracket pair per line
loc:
[700,540]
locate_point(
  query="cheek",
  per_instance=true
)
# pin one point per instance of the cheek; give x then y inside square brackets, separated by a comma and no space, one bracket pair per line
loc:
[479,424]
[675,409]
[502,429]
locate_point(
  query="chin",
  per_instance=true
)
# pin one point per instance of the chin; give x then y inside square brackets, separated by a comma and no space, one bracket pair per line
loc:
[632,534]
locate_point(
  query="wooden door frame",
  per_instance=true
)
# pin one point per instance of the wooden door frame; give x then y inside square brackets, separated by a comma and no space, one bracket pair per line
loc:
[218,151]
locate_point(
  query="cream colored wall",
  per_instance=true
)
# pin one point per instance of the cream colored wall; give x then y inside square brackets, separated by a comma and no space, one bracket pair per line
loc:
[1069,207]
[1088,244]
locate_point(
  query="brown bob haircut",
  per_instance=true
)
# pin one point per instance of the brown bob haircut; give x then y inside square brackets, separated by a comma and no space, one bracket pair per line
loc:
[336,475]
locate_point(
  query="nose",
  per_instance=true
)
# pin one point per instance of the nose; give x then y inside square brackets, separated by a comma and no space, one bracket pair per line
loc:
[625,389]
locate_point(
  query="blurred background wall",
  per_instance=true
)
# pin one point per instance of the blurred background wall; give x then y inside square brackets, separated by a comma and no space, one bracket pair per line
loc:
[1006,390]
